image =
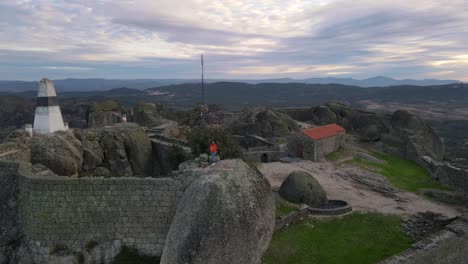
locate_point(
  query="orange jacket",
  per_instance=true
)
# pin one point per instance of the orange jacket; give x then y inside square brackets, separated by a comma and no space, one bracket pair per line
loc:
[213,148]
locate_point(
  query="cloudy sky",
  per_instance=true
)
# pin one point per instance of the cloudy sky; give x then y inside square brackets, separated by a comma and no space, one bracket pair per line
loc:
[240,39]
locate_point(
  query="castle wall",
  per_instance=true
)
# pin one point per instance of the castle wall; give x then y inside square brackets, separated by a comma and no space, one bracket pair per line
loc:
[60,212]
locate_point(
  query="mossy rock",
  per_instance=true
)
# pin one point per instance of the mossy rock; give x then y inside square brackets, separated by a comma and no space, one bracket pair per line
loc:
[302,188]
[108,105]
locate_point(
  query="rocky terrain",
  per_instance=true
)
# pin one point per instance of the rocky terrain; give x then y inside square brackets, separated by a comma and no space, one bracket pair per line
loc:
[354,186]
[118,151]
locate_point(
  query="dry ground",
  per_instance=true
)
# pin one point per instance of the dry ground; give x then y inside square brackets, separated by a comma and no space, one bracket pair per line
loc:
[341,187]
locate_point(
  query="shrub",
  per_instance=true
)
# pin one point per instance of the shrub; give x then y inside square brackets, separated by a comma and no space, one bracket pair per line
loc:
[130,256]
[200,139]
[91,244]
[175,156]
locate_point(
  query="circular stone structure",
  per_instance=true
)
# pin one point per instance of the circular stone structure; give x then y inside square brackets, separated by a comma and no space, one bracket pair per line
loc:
[333,207]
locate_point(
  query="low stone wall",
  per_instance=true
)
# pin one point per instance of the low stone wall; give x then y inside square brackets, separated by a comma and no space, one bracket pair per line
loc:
[265,154]
[447,246]
[452,176]
[59,212]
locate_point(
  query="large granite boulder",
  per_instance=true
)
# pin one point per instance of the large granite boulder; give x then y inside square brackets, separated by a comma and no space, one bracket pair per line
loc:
[323,115]
[61,152]
[147,114]
[227,216]
[93,155]
[106,113]
[205,115]
[369,126]
[103,118]
[263,122]
[301,187]
[419,137]
[127,150]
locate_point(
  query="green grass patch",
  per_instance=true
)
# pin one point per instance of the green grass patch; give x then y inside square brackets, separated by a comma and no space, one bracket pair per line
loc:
[283,207]
[404,174]
[337,154]
[355,238]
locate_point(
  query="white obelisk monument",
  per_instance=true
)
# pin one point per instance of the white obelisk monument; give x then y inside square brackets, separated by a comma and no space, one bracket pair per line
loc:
[48,117]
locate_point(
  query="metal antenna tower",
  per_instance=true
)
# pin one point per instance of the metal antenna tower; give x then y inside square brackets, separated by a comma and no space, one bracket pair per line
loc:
[202,81]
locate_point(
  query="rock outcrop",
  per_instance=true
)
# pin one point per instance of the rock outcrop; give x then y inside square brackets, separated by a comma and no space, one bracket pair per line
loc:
[205,115]
[411,135]
[119,151]
[374,181]
[420,139]
[263,122]
[226,216]
[138,148]
[106,113]
[302,188]
[61,152]
[147,114]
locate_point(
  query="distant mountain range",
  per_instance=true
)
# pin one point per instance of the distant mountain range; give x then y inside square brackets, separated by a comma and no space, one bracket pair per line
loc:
[68,85]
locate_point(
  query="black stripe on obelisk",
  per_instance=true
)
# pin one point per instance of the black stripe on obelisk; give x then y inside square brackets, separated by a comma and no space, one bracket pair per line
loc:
[47,101]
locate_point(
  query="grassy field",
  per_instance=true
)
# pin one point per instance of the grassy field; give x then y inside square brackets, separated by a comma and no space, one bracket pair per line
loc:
[353,239]
[283,207]
[401,173]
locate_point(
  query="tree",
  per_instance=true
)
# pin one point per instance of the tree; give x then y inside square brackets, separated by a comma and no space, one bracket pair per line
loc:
[200,139]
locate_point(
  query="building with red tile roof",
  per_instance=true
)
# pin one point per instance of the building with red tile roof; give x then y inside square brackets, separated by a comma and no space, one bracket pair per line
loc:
[317,133]
[316,142]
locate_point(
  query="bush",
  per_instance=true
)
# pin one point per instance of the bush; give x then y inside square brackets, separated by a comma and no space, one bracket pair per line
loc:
[200,139]
[175,156]
[131,256]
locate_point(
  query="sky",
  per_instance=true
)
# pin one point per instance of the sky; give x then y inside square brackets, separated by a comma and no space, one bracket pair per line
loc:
[257,39]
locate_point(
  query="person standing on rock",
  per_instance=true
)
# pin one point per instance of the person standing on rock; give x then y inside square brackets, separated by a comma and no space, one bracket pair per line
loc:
[213,152]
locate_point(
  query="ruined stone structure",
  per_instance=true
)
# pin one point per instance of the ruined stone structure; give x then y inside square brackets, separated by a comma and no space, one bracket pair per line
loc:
[314,143]
[48,117]
[260,149]
[55,212]
[265,154]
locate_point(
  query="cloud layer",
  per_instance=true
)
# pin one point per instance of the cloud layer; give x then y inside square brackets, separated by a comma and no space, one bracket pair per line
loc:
[240,39]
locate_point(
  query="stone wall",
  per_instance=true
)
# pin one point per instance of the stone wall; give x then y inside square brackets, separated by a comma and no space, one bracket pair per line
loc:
[447,246]
[314,149]
[308,145]
[265,154]
[327,145]
[452,176]
[59,212]
[9,231]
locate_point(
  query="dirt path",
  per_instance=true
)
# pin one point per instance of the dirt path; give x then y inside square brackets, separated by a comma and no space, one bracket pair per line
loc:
[339,186]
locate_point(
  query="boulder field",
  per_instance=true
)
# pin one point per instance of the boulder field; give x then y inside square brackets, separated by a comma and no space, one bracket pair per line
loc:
[119,151]
[403,130]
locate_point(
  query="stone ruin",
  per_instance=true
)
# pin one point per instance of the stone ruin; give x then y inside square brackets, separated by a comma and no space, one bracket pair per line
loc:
[49,218]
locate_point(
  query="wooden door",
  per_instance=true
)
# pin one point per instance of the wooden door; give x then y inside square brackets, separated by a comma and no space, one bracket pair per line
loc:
[300,151]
